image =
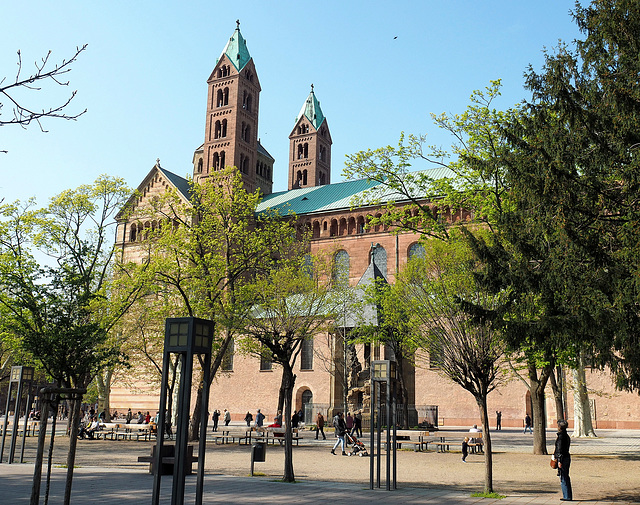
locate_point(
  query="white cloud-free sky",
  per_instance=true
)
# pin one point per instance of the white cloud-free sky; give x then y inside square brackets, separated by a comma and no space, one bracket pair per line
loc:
[143,75]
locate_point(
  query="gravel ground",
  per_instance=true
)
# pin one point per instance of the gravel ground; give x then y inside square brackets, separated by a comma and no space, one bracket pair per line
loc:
[596,474]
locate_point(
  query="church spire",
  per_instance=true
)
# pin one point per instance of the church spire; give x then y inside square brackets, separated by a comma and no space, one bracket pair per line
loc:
[311,110]
[236,49]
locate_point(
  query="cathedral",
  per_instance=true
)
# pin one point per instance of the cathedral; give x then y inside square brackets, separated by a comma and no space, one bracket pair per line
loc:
[247,383]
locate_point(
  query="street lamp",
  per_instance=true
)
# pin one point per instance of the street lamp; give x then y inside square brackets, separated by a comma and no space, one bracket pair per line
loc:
[185,336]
[19,375]
[383,371]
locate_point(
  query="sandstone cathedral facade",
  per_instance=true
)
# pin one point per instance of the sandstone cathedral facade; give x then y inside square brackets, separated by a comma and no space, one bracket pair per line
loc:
[247,383]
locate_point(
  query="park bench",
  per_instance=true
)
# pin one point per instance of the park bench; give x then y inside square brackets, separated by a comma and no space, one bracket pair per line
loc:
[476,442]
[224,436]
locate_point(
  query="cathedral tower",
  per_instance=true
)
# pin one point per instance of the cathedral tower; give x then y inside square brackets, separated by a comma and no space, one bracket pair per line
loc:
[310,147]
[231,130]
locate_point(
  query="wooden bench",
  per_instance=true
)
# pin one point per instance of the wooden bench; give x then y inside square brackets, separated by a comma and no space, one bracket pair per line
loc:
[421,442]
[168,460]
[224,436]
[476,443]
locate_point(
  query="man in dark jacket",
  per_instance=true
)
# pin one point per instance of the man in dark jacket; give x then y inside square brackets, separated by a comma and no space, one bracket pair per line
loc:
[341,430]
[561,454]
[320,426]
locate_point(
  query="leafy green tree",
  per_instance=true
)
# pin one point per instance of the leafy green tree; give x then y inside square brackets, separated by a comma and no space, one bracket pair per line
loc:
[202,251]
[470,183]
[59,311]
[453,319]
[289,303]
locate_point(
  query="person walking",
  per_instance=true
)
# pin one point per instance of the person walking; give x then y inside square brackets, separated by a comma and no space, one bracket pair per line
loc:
[259,419]
[320,426]
[498,420]
[248,418]
[527,424]
[227,417]
[465,449]
[341,430]
[561,454]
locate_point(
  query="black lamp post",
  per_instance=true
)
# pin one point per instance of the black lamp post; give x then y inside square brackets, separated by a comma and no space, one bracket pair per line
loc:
[185,336]
[383,372]
[19,375]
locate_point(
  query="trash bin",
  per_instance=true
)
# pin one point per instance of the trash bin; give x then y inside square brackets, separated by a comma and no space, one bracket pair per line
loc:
[259,450]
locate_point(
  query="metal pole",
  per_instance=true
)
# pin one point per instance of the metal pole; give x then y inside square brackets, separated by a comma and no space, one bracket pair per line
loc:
[157,464]
[379,434]
[182,432]
[394,409]
[16,419]
[390,445]
[371,434]
[24,428]
[204,416]
[6,419]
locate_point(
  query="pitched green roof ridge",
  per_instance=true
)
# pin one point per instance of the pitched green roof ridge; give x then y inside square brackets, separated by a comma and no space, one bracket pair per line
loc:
[236,50]
[311,110]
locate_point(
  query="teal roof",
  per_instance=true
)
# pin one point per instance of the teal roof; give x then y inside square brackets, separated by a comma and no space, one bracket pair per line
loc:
[236,50]
[315,198]
[311,110]
[342,195]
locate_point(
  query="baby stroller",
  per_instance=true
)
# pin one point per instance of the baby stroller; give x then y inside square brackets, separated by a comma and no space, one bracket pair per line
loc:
[357,447]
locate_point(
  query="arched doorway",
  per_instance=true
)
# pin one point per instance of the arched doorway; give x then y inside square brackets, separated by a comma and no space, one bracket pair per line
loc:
[304,402]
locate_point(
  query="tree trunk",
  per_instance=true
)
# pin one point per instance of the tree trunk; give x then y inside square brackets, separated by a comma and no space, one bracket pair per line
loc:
[104,393]
[74,420]
[288,380]
[194,424]
[582,426]
[536,388]
[557,386]
[486,437]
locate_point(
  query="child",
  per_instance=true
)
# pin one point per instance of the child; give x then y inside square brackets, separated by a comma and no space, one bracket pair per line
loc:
[465,449]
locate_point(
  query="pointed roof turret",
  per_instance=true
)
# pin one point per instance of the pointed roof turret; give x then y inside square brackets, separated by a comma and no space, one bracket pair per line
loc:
[236,49]
[311,110]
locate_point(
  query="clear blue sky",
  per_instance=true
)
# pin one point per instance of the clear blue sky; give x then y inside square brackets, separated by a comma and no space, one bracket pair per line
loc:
[143,76]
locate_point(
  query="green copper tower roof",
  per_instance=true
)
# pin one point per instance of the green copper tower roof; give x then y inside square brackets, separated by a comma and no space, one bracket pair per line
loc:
[236,49]
[311,109]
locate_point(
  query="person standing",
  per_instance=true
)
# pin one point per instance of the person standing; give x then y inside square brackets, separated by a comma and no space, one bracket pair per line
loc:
[341,430]
[248,418]
[320,426]
[295,419]
[527,424]
[129,415]
[357,424]
[498,420]
[215,417]
[349,422]
[561,454]
[259,419]
[227,417]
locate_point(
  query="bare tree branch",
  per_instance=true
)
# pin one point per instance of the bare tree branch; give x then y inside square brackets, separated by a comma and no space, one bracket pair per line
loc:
[23,113]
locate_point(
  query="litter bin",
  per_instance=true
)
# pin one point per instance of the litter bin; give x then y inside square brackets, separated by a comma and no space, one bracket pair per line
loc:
[258,452]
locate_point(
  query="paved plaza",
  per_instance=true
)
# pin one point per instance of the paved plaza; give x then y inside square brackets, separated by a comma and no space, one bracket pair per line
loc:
[107,473]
